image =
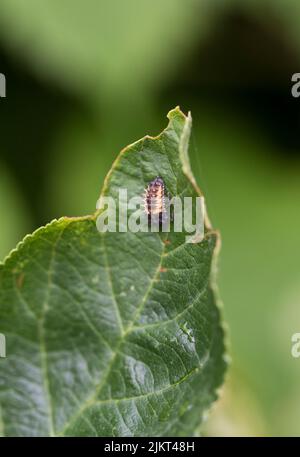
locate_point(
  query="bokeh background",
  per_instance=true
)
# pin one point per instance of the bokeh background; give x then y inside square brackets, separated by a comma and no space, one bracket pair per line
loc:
[85,78]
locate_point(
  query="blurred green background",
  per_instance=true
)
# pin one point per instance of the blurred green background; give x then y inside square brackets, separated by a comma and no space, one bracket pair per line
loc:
[85,78]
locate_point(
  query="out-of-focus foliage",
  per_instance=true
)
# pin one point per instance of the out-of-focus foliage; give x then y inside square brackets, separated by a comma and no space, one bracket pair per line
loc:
[13,216]
[254,205]
[231,64]
[102,48]
[101,139]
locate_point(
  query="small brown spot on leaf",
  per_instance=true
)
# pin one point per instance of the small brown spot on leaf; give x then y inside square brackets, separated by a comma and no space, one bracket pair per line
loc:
[20,280]
[163,270]
[167,242]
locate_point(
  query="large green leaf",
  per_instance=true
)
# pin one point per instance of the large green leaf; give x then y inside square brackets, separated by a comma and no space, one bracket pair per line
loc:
[113,333]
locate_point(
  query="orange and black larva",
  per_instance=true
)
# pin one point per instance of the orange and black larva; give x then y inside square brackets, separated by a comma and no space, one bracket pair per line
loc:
[154,199]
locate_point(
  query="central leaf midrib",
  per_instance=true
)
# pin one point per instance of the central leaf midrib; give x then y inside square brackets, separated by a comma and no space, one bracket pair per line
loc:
[41,335]
[93,399]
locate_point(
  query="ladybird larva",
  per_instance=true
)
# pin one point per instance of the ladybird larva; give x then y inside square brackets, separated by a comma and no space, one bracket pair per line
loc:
[154,199]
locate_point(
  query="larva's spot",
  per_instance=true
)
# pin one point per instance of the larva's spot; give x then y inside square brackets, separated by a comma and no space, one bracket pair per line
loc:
[167,242]
[163,269]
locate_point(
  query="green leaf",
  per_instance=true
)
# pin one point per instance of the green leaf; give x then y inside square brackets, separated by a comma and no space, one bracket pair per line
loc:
[114,334]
